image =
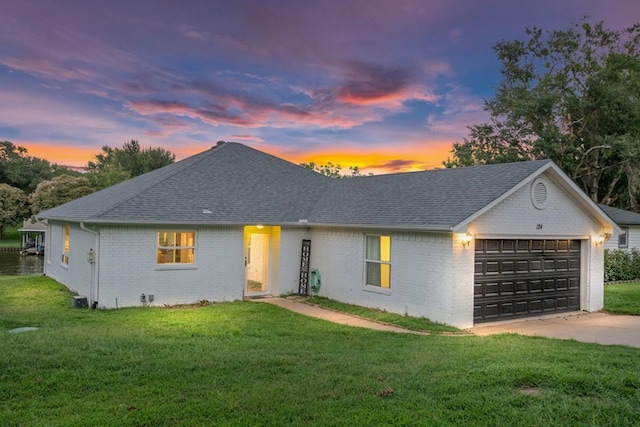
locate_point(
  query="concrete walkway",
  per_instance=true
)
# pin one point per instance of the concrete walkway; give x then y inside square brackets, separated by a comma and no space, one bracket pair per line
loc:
[600,328]
[296,305]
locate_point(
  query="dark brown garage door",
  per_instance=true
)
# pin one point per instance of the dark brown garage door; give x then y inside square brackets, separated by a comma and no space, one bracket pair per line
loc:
[518,278]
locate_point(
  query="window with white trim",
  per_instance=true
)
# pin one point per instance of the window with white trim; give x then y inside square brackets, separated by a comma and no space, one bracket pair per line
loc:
[176,247]
[378,261]
[65,243]
[623,238]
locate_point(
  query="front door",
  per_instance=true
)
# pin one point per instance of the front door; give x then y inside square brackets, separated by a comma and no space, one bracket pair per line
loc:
[257,261]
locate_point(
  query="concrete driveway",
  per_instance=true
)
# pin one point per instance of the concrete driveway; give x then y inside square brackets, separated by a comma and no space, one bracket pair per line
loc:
[601,328]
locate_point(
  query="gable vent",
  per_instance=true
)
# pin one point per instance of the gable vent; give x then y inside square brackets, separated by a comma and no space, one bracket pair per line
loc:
[539,194]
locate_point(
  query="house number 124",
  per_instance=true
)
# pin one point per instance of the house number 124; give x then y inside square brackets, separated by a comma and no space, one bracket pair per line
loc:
[538,226]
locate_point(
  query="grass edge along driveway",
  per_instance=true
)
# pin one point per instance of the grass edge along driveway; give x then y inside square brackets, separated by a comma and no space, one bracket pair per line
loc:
[243,363]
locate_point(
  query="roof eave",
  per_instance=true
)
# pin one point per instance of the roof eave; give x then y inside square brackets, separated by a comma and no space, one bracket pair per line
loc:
[300,223]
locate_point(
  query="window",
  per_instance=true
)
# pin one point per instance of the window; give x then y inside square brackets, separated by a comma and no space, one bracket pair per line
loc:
[623,238]
[378,261]
[65,244]
[176,247]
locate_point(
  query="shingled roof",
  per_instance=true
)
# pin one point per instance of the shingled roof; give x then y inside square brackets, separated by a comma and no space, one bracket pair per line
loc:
[230,183]
[620,216]
[235,184]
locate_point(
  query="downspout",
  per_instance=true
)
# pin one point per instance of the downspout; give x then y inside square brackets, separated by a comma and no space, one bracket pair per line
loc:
[94,270]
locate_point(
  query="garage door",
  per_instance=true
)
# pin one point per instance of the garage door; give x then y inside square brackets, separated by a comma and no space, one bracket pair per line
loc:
[518,278]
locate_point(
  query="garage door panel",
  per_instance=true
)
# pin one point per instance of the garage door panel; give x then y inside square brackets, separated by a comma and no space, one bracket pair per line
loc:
[492,267]
[522,286]
[508,246]
[549,285]
[535,286]
[517,278]
[507,288]
[522,307]
[562,302]
[574,283]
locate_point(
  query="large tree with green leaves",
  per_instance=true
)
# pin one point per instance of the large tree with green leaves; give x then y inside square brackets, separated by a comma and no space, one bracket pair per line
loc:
[14,206]
[59,190]
[572,96]
[130,159]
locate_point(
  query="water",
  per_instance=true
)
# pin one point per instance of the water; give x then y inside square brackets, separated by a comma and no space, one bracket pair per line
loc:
[12,263]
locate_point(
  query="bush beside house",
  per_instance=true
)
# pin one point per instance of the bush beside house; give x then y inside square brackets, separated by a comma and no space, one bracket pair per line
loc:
[621,265]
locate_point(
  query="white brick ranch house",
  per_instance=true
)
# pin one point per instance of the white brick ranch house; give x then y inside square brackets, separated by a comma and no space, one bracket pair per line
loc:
[458,246]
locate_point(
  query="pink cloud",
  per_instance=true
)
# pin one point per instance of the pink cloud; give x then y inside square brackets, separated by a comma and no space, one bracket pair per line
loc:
[247,137]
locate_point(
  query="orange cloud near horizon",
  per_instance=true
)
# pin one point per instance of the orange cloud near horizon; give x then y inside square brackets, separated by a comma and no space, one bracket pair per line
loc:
[378,160]
[63,155]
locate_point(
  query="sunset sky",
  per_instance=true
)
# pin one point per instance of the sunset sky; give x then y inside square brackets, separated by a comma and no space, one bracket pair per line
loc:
[382,85]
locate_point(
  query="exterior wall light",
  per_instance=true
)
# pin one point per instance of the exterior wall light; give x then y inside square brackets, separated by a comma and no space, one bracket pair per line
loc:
[259,226]
[466,239]
[598,240]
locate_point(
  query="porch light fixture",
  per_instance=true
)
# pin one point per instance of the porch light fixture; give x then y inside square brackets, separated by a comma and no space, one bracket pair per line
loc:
[466,239]
[259,226]
[598,240]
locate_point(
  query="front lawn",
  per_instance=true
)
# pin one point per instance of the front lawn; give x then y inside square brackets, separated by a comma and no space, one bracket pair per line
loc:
[622,298]
[251,363]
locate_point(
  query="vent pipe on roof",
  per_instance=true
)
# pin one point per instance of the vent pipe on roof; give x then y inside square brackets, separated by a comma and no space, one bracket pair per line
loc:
[218,144]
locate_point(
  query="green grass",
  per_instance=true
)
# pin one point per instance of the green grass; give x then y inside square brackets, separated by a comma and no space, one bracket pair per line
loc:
[251,363]
[408,322]
[11,238]
[622,298]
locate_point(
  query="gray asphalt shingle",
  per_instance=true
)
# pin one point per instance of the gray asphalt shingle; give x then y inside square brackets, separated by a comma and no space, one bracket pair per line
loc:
[436,199]
[620,216]
[241,185]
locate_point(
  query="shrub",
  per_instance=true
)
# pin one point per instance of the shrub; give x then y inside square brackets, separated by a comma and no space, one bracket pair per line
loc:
[621,265]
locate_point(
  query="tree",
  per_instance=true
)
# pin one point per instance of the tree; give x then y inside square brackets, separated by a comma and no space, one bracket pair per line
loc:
[20,170]
[331,170]
[572,96]
[110,175]
[131,159]
[59,190]
[14,206]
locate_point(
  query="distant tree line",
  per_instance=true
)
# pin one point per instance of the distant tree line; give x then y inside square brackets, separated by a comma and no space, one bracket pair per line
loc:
[29,185]
[333,170]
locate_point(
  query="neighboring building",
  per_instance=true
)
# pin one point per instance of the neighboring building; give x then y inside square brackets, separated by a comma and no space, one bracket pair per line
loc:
[629,222]
[33,233]
[457,246]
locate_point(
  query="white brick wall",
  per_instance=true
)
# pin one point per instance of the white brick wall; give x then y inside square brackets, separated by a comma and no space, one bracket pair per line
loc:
[425,280]
[127,265]
[129,269]
[77,275]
